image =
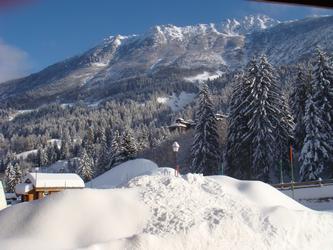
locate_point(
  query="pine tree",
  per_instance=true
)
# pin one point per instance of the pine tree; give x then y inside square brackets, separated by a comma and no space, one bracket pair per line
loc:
[237,153]
[12,176]
[104,154]
[299,95]
[315,149]
[322,80]
[42,160]
[65,142]
[51,155]
[85,167]
[56,151]
[260,122]
[129,148]
[88,142]
[115,151]
[205,148]
[18,173]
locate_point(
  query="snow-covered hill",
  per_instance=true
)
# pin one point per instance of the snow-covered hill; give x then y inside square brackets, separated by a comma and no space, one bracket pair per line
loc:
[161,211]
[122,173]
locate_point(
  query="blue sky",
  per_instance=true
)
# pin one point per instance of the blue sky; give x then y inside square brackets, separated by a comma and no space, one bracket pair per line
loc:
[35,35]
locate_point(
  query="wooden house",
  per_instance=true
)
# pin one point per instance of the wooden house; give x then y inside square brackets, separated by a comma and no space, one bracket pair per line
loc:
[38,185]
[181,125]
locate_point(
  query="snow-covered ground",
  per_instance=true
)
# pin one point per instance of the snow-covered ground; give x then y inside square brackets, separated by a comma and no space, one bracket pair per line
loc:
[20,112]
[160,211]
[25,154]
[318,198]
[175,102]
[3,203]
[203,77]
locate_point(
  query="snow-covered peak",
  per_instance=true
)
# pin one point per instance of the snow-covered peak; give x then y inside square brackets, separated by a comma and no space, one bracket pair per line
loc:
[166,33]
[116,40]
[247,24]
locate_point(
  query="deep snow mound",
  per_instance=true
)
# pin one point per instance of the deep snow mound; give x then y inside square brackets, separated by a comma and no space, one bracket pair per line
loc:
[161,211]
[3,202]
[122,173]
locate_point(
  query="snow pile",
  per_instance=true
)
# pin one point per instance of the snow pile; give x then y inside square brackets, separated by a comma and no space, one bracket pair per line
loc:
[161,211]
[123,173]
[175,102]
[72,219]
[3,202]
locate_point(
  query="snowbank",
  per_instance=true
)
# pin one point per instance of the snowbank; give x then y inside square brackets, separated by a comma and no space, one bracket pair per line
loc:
[122,173]
[3,202]
[257,192]
[161,211]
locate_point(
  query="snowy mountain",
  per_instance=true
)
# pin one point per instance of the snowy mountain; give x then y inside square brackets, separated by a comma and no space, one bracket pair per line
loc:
[212,48]
[157,210]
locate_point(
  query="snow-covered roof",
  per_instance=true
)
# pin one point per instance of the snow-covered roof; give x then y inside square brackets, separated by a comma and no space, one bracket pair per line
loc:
[23,188]
[43,180]
[177,125]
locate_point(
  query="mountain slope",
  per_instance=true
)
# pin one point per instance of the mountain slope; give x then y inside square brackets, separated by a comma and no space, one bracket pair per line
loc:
[169,50]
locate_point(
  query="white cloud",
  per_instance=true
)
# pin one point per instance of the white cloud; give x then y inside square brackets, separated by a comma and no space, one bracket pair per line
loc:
[13,62]
[320,11]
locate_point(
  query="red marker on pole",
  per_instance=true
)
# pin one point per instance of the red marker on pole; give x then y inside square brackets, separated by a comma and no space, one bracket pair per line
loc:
[177,170]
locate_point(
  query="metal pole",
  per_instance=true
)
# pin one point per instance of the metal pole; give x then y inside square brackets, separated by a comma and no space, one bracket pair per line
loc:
[281,172]
[222,169]
[176,170]
[292,171]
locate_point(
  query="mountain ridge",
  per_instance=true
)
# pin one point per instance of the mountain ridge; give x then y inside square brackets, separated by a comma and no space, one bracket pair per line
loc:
[212,47]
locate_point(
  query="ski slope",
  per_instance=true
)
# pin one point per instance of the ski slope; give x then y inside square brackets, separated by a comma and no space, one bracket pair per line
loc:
[157,210]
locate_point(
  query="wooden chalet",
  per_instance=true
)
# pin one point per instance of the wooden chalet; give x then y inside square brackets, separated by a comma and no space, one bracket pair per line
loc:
[38,185]
[181,125]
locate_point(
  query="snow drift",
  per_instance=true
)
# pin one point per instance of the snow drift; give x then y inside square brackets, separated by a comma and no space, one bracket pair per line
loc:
[122,173]
[161,211]
[3,202]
